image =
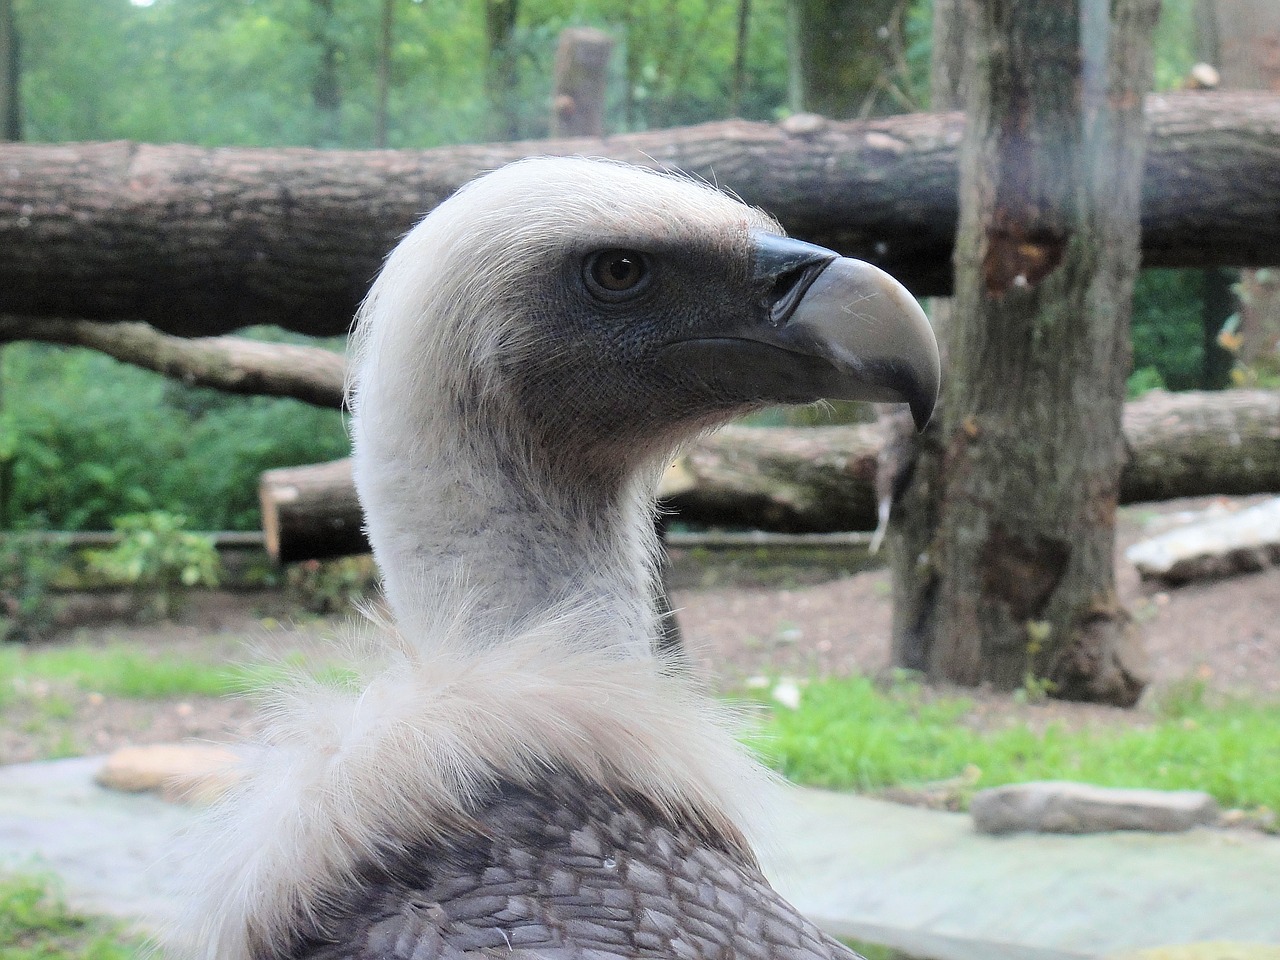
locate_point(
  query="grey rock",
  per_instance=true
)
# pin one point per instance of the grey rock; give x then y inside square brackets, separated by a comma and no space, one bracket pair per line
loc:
[1054,806]
[1240,542]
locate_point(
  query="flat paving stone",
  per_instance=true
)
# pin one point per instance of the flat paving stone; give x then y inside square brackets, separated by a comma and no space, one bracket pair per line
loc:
[105,845]
[920,880]
[928,883]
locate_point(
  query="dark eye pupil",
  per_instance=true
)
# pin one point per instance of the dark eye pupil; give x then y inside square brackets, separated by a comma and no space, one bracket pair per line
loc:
[617,271]
[621,270]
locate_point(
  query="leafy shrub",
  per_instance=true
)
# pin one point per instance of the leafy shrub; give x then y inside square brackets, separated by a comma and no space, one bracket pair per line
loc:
[332,586]
[27,570]
[87,439]
[1167,330]
[157,555]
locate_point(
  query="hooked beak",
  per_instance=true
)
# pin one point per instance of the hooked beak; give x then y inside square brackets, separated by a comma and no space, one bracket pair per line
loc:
[852,331]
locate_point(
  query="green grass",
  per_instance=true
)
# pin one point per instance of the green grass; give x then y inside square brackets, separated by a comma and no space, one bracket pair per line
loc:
[137,673]
[36,925]
[849,734]
[119,671]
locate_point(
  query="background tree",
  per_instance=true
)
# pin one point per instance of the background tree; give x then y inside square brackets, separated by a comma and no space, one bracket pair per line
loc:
[1008,576]
[10,75]
[386,31]
[500,80]
[847,57]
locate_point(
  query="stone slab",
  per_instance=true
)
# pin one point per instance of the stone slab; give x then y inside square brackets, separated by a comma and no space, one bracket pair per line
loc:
[923,881]
[107,846]
[1061,806]
[926,882]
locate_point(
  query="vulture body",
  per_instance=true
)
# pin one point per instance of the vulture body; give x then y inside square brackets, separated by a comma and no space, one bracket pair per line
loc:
[520,774]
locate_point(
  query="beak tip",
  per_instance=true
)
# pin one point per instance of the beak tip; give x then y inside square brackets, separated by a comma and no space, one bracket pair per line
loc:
[921,412]
[923,400]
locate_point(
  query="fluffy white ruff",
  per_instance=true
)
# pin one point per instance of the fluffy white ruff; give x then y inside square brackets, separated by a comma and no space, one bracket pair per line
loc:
[345,772]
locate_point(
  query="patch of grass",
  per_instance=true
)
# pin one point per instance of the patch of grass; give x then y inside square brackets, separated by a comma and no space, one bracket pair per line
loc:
[35,924]
[137,674]
[849,734]
[872,951]
[119,671]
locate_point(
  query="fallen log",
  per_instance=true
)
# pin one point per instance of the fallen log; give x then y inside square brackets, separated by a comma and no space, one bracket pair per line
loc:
[821,479]
[311,512]
[231,364]
[201,241]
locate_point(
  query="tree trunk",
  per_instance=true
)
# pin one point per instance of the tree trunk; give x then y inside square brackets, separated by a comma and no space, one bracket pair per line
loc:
[840,56]
[1020,484]
[582,74]
[501,75]
[326,91]
[1246,34]
[10,75]
[386,27]
[202,241]
[821,479]
[738,83]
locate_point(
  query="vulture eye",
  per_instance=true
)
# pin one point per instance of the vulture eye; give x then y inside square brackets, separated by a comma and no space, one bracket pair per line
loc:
[616,274]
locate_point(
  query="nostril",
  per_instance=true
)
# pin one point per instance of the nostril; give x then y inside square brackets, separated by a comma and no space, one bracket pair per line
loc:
[789,288]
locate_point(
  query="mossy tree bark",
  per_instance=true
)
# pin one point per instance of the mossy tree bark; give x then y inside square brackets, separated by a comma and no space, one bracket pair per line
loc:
[1010,523]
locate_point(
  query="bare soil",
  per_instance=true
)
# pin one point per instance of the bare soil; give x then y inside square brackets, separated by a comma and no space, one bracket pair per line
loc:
[1224,634]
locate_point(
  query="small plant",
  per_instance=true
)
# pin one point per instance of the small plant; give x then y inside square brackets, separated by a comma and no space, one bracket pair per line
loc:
[1035,689]
[28,568]
[332,586]
[158,556]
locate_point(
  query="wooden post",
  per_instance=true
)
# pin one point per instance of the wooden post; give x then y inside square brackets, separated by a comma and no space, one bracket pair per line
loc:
[582,73]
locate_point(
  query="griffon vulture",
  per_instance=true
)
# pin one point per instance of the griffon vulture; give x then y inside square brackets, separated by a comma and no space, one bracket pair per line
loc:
[520,775]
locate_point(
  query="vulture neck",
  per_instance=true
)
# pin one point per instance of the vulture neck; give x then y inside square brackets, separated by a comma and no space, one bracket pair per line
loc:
[467,524]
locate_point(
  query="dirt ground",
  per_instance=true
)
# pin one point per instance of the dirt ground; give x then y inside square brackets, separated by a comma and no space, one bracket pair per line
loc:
[1225,633]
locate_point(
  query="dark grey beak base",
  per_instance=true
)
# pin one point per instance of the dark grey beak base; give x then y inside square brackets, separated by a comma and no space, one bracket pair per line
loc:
[864,334]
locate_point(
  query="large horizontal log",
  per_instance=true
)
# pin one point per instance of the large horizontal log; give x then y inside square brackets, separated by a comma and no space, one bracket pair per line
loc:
[822,478]
[202,241]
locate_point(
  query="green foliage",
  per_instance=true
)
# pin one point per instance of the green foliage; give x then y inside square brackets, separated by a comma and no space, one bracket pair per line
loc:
[1167,330]
[1175,44]
[243,72]
[1143,381]
[848,733]
[35,924]
[332,586]
[157,555]
[92,439]
[28,569]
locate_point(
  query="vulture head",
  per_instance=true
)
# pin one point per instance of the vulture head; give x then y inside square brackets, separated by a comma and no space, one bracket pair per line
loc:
[543,342]
[518,774]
